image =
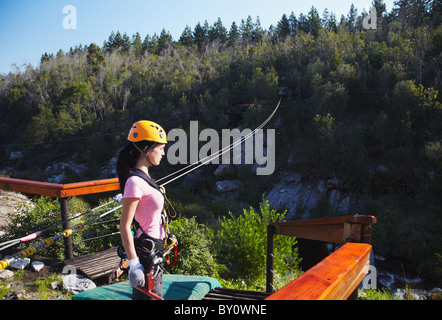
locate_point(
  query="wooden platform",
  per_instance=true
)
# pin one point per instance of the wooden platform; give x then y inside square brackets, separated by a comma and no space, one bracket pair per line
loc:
[232,294]
[103,265]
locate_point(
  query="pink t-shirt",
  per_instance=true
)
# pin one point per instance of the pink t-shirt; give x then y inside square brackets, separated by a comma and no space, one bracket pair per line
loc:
[150,206]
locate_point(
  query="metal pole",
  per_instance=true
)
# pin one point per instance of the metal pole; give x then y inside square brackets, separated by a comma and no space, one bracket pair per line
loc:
[64,206]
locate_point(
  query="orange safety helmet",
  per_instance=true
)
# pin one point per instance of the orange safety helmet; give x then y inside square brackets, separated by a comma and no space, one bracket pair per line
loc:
[147,130]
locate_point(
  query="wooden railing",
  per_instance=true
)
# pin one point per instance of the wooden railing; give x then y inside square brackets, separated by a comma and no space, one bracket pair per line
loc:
[312,235]
[62,192]
[56,190]
[334,278]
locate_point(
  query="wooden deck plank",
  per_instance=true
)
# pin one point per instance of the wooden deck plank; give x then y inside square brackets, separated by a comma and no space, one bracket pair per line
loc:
[233,294]
[96,265]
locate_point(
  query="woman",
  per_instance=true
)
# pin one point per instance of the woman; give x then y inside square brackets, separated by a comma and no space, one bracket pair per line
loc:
[142,202]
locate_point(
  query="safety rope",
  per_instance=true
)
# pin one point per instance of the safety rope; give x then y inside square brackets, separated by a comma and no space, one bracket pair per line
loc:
[34,235]
[49,241]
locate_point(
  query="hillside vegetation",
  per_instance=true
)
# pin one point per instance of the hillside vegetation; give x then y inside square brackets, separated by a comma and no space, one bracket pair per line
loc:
[362,105]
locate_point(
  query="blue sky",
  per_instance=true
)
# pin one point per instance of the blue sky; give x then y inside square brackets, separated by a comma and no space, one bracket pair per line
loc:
[29,28]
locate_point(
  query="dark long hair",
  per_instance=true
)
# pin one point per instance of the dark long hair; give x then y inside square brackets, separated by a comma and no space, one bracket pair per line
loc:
[127,159]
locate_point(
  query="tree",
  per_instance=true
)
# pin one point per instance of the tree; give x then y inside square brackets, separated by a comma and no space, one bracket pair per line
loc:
[118,41]
[262,85]
[436,13]
[109,45]
[152,45]
[146,42]
[258,32]
[246,29]
[351,18]
[95,58]
[42,127]
[186,37]
[125,42]
[194,250]
[381,8]
[329,21]
[46,57]
[217,32]
[303,23]
[164,41]
[200,34]
[234,34]
[242,239]
[414,13]
[314,22]
[293,22]
[137,45]
[283,29]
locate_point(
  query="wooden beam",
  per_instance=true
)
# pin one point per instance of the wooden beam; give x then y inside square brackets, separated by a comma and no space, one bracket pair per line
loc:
[59,190]
[333,230]
[88,187]
[30,187]
[322,232]
[334,278]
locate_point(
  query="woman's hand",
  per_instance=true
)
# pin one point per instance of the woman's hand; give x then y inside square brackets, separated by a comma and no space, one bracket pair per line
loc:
[136,273]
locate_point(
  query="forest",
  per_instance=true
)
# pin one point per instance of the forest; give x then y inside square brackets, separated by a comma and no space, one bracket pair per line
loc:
[361,104]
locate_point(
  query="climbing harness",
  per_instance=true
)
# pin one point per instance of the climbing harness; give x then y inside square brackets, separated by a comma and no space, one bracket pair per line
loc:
[158,258]
[152,252]
[165,214]
[147,248]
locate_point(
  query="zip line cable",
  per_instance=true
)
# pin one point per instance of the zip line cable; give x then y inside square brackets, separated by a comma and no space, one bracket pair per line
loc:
[99,237]
[68,232]
[211,157]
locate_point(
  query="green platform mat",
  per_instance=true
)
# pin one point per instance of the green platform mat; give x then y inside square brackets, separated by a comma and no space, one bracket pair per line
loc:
[175,287]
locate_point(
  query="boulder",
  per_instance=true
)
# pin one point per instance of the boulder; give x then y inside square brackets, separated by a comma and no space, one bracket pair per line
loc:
[76,283]
[20,264]
[6,274]
[227,186]
[300,197]
[37,265]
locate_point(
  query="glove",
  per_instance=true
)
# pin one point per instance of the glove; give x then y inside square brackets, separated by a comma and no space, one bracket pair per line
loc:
[136,273]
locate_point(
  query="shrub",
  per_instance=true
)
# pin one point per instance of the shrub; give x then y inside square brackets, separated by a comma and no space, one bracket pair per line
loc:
[241,244]
[41,214]
[194,256]
[103,233]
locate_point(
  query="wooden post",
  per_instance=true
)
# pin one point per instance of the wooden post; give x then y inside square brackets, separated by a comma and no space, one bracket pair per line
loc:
[64,206]
[270,258]
[352,232]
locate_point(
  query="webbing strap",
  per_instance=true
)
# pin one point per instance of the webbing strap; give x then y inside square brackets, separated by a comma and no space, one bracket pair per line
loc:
[145,177]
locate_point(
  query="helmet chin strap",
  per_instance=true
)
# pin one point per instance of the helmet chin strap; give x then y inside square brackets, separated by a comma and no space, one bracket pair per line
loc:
[145,154]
